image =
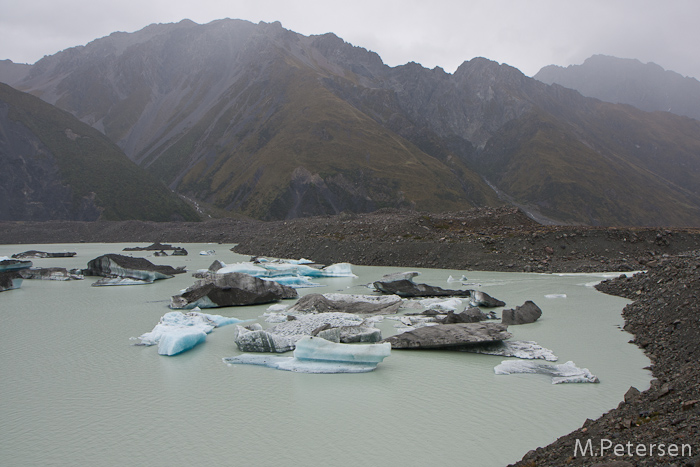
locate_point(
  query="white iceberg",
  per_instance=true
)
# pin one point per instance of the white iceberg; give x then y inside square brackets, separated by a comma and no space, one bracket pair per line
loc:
[461,279]
[555,295]
[441,305]
[298,282]
[316,355]
[528,350]
[177,332]
[109,281]
[565,373]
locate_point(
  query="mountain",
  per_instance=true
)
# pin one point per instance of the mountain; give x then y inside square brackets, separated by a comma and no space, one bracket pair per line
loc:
[55,167]
[646,86]
[256,119]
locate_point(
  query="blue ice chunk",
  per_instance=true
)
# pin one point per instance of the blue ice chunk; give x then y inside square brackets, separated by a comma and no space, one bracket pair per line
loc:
[177,332]
[180,340]
[297,282]
[317,355]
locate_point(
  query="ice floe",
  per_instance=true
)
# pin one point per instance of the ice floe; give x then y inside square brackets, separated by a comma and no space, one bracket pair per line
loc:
[528,350]
[565,373]
[177,332]
[317,355]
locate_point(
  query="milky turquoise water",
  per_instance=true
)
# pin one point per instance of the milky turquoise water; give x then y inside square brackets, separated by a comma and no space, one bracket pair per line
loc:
[74,390]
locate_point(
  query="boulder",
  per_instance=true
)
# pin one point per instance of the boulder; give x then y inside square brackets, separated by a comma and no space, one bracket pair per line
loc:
[528,312]
[449,336]
[254,338]
[470,315]
[347,303]
[232,289]
[112,265]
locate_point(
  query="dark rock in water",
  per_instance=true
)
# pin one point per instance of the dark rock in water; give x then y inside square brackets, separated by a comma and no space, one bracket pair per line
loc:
[470,315]
[43,254]
[53,274]
[449,336]
[157,246]
[232,289]
[408,288]
[178,251]
[112,265]
[528,312]
[210,272]
[10,280]
[160,253]
[14,264]
[479,298]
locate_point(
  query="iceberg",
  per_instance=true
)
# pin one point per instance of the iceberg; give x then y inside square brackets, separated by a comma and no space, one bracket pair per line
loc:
[254,338]
[528,350]
[232,289]
[177,332]
[112,265]
[282,337]
[53,274]
[348,303]
[10,280]
[109,281]
[565,373]
[441,305]
[317,355]
[297,282]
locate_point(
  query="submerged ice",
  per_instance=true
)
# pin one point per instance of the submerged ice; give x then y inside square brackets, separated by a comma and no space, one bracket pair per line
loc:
[565,373]
[317,355]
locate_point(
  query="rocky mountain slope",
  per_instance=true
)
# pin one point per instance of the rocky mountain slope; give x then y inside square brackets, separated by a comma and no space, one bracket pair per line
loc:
[646,86]
[262,121]
[57,167]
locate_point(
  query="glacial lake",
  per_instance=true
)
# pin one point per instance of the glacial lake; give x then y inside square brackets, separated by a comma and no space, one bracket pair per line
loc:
[77,391]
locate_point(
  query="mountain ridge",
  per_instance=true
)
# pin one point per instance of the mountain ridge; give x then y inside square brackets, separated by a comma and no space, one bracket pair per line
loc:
[263,121]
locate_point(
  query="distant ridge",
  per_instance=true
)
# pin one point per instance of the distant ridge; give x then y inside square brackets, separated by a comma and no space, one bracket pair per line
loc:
[646,86]
[259,120]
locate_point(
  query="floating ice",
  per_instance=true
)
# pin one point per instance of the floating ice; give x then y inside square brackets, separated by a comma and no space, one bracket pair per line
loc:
[528,350]
[316,355]
[109,281]
[207,252]
[177,332]
[564,373]
[292,273]
[298,282]
[461,279]
[555,295]
[441,305]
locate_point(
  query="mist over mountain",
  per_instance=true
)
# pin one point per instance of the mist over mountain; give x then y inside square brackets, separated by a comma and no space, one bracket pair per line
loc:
[646,86]
[55,167]
[256,119]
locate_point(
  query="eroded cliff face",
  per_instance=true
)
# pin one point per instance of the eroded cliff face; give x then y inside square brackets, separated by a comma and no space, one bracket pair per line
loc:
[31,187]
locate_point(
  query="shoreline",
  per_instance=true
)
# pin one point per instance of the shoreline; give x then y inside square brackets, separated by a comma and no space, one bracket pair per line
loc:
[663,318]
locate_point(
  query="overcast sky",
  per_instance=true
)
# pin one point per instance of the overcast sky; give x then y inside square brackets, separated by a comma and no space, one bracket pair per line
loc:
[527,34]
